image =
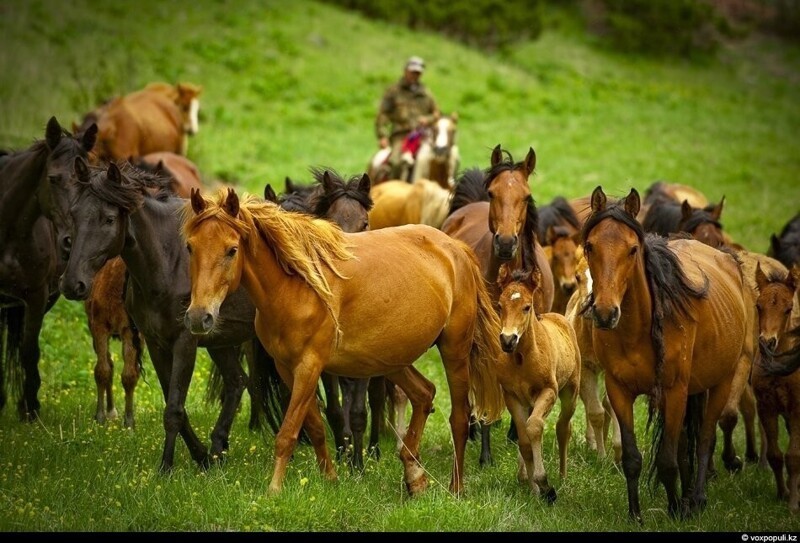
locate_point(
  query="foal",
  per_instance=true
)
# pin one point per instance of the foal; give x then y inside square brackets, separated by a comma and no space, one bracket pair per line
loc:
[544,363]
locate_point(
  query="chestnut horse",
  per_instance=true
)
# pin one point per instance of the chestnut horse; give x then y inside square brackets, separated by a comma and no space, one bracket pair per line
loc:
[778,396]
[670,321]
[396,203]
[544,364]
[331,301]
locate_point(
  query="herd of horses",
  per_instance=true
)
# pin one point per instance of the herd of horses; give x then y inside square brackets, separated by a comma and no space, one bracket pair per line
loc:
[526,304]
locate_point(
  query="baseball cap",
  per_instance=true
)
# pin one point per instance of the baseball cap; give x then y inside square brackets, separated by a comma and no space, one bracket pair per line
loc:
[415,64]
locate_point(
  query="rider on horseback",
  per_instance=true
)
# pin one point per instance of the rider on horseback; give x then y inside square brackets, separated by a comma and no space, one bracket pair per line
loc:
[409,107]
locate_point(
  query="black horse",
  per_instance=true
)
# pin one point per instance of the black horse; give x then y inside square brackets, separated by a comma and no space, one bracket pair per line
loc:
[113,213]
[786,247]
[32,251]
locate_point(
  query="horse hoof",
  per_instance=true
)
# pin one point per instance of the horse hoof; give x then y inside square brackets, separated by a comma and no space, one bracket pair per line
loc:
[111,415]
[735,465]
[550,496]
[415,488]
[129,422]
[165,469]
[486,460]
[100,418]
[751,458]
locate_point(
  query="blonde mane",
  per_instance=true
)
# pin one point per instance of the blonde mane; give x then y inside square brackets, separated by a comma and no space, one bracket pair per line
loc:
[302,245]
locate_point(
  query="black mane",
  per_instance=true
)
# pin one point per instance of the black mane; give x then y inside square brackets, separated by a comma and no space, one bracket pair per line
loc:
[469,189]
[321,200]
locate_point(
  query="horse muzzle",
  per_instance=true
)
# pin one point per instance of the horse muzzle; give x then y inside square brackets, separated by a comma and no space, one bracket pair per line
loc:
[509,342]
[74,290]
[199,321]
[505,247]
[605,319]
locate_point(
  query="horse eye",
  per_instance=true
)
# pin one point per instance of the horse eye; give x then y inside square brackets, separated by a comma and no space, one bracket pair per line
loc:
[491,195]
[53,178]
[189,248]
[231,252]
[526,309]
[587,248]
[789,311]
[634,250]
[758,308]
[110,219]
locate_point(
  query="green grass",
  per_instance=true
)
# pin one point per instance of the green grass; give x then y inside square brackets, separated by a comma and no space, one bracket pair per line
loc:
[292,85]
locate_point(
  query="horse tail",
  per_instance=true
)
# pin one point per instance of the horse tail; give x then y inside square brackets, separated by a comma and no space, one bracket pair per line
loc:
[12,321]
[486,396]
[692,422]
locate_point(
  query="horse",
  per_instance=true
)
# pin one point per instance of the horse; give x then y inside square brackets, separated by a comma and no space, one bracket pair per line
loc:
[544,363]
[557,214]
[667,217]
[107,318]
[343,304]
[142,122]
[599,414]
[495,214]
[114,214]
[396,203]
[438,157]
[33,244]
[777,396]
[785,247]
[662,310]
[560,250]
[184,173]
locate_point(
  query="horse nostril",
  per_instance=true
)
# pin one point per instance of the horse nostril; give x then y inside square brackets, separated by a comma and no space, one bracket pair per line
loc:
[208,321]
[80,289]
[66,243]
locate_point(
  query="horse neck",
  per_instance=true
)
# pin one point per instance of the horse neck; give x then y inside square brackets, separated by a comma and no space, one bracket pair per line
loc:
[263,276]
[157,256]
[636,307]
[19,206]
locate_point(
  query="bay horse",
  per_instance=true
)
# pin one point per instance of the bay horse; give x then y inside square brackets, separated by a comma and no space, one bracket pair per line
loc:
[142,122]
[560,250]
[338,302]
[703,224]
[557,214]
[438,156]
[114,214]
[670,321]
[33,244]
[785,247]
[396,203]
[544,364]
[599,414]
[778,395]
[494,213]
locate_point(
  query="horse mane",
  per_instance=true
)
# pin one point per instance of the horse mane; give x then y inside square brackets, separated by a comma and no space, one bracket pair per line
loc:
[469,188]
[556,212]
[302,244]
[320,201]
[131,193]
[698,217]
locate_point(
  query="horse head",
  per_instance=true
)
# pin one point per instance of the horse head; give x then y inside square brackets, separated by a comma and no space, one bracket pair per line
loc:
[517,288]
[774,304]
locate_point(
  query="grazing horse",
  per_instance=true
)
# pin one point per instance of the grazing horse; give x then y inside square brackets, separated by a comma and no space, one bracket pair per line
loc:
[184,173]
[396,203]
[670,321]
[142,122]
[114,214]
[778,396]
[786,246]
[338,302]
[544,363]
[32,247]
[599,415]
[438,158]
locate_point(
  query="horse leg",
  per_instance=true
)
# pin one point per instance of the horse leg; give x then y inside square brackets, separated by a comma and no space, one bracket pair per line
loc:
[347,387]
[400,401]
[334,412]
[519,416]
[534,428]
[673,414]
[568,400]
[457,373]
[747,407]
[358,420]
[622,404]
[29,355]
[377,399]
[131,369]
[717,399]
[420,392]
[486,445]
[730,415]
[103,369]
[253,388]
[302,410]
[616,436]
[234,380]
[769,421]
[595,414]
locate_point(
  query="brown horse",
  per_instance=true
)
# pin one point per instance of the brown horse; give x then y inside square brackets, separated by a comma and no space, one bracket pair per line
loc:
[184,173]
[599,414]
[560,251]
[337,302]
[396,203]
[544,363]
[778,396]
[142,122]
[670,321]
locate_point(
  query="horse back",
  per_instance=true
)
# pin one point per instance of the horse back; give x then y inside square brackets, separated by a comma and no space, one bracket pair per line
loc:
[564,352]
[137,124]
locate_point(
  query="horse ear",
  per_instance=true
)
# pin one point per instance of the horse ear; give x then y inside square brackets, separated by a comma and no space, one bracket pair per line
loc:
[761,277]
[716,213]
[686,211]
[502,274]
[598,199]
[198,202]
[497,155]
[364,185]
[52,133]
[89,137]
[81,169]
[160,166]
[633,203]
[327,181]
[289,186]
[536,278]
[269,194]
[232,204]
[114,174]
[530,161]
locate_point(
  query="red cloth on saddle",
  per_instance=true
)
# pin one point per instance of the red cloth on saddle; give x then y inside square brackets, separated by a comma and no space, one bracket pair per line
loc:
[412,143]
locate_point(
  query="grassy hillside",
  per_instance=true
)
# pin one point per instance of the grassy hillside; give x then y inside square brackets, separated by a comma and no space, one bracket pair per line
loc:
[292,85]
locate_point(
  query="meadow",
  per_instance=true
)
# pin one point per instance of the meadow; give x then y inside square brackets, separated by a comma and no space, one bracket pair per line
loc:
[290,85]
